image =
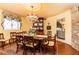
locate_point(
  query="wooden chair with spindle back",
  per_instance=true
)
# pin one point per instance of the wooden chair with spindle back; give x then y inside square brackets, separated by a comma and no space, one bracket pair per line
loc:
[1,36]
[19,42]
[50,44]
[12,37]
[2,41]
[30,44]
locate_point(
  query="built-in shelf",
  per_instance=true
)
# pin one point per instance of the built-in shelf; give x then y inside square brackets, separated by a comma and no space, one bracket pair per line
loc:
[39,25]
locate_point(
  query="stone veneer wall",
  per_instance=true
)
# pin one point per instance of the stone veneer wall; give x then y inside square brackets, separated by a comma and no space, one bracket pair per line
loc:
[75,27]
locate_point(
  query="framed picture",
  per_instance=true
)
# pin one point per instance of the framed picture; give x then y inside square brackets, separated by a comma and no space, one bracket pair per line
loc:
[48,27]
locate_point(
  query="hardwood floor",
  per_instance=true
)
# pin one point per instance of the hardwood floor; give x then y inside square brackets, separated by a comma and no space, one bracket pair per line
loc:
[62,49]
[65,49]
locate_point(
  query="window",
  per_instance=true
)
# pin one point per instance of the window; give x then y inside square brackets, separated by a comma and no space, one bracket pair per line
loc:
[9,24]
[15,24]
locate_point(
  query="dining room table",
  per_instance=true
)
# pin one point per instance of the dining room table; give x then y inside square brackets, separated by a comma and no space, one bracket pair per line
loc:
[38,38]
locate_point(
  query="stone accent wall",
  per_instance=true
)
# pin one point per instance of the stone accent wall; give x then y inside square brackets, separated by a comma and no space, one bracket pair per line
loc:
[75,27]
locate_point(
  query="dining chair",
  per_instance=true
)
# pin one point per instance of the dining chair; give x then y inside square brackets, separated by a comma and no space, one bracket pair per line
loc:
[49,44]
[30,44]
[1,36]
[2,41]
[12,37]
[19,42]
[24,32]
[19,33]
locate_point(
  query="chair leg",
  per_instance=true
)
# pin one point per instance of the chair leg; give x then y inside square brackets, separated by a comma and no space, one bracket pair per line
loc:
[17,48]
[34,51]
[10,41]
[25,50]
[3,43]
[55,50]
[44,50]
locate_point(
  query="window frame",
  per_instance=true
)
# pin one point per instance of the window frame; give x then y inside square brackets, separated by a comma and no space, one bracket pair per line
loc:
[18,28]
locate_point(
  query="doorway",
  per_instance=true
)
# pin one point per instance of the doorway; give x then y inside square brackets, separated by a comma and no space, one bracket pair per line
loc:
[61,28]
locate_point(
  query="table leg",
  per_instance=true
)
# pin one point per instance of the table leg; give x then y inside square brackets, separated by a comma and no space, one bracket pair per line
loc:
[40,46]
[3,43]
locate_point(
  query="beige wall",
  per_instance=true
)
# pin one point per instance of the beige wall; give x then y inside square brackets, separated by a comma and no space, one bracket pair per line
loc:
[53,20]
[26,24]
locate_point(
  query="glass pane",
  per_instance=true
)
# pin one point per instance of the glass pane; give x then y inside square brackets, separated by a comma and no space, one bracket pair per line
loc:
[15,24]
[18,24]
[7,23]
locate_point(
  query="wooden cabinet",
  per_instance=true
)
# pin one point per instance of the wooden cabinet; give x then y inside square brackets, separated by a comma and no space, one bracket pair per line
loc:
[39,25]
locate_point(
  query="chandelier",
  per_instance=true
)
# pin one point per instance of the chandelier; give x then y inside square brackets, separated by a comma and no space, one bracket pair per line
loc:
[32,7]
[32,16]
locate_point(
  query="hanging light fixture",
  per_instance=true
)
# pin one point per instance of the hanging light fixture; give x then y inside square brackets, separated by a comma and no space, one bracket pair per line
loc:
[32,16]
[32,7]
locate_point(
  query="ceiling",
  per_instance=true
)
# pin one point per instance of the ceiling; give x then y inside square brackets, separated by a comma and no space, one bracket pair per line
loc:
[46,9]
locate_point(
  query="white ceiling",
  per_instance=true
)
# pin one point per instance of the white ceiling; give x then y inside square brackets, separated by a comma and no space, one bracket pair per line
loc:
[46,9]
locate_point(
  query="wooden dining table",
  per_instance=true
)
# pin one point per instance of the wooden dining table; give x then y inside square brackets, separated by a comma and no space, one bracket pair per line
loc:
[38,38]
